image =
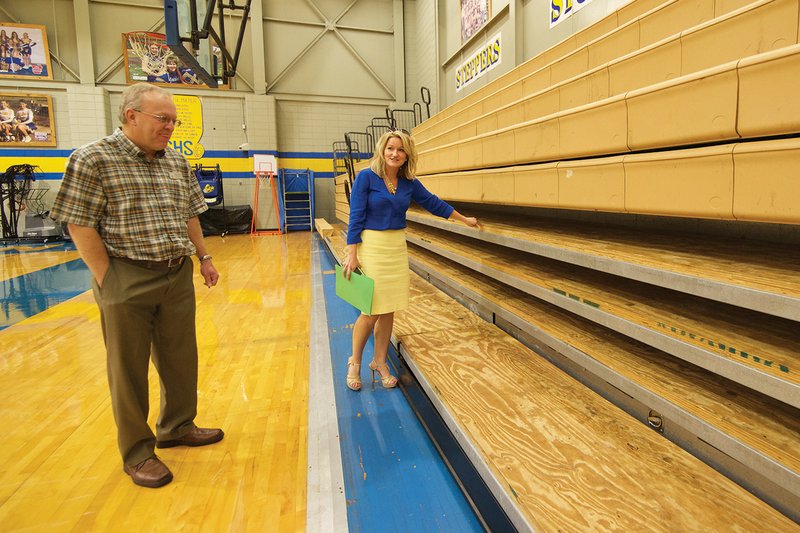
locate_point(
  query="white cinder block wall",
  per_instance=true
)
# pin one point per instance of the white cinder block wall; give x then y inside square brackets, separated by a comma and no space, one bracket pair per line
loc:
[305,126]
[424,52]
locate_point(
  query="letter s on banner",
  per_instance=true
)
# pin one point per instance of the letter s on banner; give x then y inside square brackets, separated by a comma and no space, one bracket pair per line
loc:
[560,10]
[555,12]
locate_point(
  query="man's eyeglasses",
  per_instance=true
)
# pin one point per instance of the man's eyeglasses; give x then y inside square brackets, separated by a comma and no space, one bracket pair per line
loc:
[162,118]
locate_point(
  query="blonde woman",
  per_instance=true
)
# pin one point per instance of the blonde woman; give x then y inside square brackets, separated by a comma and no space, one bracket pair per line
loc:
[376,243]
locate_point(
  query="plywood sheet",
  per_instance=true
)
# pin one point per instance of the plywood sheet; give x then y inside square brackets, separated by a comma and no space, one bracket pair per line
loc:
[765,424]
[573,461]
[759,266]
[762,344]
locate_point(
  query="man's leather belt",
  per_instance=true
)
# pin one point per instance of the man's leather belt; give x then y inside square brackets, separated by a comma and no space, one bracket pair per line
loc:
[146,263]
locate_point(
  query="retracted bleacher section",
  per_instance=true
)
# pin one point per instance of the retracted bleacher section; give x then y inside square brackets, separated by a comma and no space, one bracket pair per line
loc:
[696,89]
[638,189]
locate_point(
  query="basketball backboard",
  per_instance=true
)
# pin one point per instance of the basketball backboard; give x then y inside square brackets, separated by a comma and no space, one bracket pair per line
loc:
[265,164]
[192,36]
[183,39]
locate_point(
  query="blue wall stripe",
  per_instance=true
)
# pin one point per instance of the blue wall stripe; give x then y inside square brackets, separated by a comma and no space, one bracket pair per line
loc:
[46,152]
[34,152]
[50,176]
[49,160]
[245,154]
[307,155]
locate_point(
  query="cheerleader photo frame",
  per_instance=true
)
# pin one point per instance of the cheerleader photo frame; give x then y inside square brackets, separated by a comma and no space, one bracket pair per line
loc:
[26,120]
[24,53]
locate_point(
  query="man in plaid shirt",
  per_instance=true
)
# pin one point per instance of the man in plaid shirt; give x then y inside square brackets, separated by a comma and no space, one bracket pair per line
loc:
[132,205]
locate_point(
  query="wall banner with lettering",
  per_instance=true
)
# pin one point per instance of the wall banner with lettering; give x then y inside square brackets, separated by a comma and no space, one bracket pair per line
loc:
[479,63]
[186,137]
[474,14]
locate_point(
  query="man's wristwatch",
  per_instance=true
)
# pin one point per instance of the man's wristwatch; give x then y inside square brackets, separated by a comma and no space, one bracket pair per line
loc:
[206,257]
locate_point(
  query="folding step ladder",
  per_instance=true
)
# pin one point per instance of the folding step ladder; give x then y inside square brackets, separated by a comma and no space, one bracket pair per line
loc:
[298,199]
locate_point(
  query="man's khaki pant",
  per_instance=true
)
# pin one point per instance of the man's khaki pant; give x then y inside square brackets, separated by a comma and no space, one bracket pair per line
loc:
[142,307]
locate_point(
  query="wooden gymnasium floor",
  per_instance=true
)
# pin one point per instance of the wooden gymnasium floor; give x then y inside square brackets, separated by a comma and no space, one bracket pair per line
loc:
[61,469]
[301,453]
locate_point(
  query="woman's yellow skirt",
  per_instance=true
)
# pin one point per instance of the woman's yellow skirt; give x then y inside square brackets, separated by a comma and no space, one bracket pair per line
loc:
[384,258]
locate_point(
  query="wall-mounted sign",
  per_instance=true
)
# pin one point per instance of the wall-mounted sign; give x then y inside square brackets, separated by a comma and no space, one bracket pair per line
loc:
[560,10]
[186,138]
[26,120]
[479,63]
[23,52]
[474,14]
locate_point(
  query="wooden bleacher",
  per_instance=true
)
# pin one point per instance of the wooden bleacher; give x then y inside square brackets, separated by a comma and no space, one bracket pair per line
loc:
[719,104]
[557,433]
[742,181]
[638,190]
[566,459]
[471,105]
[612,65]
[727,408]
[759,351]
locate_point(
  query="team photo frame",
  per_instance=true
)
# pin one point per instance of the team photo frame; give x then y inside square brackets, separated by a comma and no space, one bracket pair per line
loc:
[26,120]
[24,52]
[474,14]
[149,59]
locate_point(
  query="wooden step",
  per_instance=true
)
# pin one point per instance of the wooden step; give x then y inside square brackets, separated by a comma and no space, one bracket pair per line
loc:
[323,227]
[557,455]
[746,181]
[759,276]
[755,350]
[697,409]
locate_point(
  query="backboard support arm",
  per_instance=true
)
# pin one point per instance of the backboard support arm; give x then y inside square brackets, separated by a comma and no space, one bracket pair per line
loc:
[175,40]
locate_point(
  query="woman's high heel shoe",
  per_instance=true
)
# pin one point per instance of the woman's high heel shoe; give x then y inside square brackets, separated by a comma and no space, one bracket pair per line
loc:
[353,382]
[388,382]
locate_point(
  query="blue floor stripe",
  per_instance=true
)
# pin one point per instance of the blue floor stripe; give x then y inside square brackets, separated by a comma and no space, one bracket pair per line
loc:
[29,294]
[394,478]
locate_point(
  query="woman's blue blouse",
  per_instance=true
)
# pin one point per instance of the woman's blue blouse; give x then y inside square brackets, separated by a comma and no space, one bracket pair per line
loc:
[372,206]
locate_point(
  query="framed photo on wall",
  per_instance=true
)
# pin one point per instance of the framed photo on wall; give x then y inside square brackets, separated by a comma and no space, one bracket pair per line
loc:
[474,14]
[149,59]
[24,53]
[26,120]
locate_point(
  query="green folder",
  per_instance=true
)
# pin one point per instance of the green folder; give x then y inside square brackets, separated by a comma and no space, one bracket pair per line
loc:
[357,292]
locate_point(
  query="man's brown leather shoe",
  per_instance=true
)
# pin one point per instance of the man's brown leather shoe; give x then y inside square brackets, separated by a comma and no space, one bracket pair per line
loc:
[196,437]
[150,473]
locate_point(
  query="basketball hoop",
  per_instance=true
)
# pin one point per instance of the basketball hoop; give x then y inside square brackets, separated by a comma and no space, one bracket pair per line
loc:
[264,179]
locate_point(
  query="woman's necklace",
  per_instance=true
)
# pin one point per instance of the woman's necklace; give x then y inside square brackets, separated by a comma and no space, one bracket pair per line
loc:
[392,188]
